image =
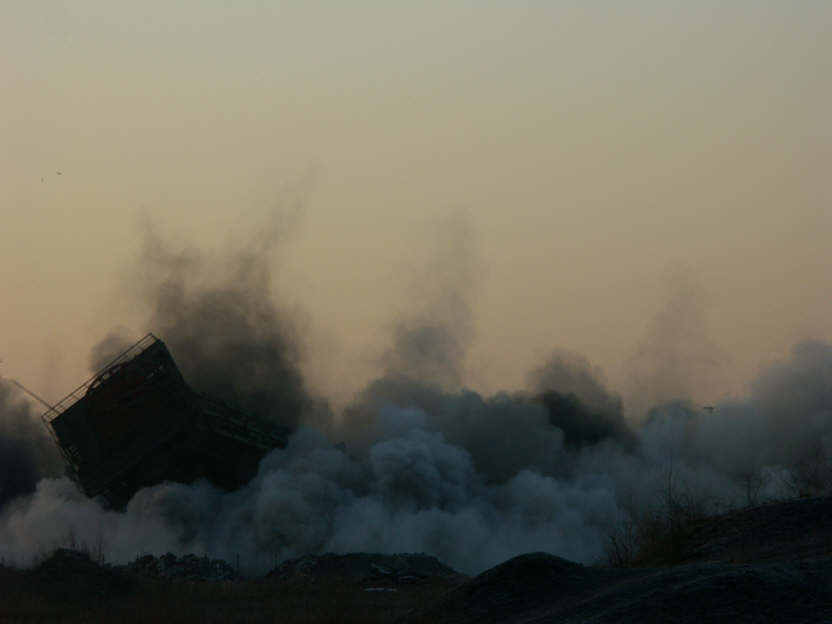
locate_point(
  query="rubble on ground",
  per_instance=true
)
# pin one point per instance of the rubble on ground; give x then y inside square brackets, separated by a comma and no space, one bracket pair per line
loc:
[184,568]
[372,570]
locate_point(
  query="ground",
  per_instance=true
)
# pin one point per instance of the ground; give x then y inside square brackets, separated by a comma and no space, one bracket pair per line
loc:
[768,564]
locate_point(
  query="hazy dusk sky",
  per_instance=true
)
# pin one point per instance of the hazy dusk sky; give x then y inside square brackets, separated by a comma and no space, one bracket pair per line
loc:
[610,178]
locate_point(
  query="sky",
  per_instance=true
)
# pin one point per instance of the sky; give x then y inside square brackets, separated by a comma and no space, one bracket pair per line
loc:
[645,184]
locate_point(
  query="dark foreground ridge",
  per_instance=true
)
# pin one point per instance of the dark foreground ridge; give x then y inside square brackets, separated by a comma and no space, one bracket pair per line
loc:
[768,564]
[541,588]
[795,529]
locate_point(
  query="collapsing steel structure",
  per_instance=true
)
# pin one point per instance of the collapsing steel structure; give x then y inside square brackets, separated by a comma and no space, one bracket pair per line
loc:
[138,423]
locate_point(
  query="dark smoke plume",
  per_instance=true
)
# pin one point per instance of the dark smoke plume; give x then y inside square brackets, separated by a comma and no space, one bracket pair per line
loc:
[430,466]
[578,403]
[218,317]
[116,342]
[27,454]
[507,432]
[580,425]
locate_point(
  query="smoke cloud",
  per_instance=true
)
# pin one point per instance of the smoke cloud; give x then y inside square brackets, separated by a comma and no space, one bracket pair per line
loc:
[577,402]
[430,341]
[677,359]
[218,316]
[470,479]
[426,465]
[26,452]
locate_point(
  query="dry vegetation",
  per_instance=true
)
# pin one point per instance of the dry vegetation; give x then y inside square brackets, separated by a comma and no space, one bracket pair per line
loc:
[668,532]
[659,535]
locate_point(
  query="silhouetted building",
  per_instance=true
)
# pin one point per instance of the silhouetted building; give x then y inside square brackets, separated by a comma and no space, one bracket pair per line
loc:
[137,423]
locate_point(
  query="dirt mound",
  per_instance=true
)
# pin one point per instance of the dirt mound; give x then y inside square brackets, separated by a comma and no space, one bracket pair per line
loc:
[367,569]
[525,573]
[515,586]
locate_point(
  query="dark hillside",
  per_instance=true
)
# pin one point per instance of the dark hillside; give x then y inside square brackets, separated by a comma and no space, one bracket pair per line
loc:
[771,563]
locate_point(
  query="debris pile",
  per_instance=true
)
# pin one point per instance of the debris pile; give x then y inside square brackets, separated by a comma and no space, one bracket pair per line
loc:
[184,568]
[374,572]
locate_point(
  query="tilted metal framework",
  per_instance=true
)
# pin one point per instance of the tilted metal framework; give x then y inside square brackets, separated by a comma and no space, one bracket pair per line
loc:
[70,452]
[137,422]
